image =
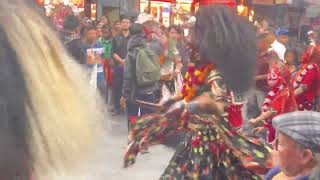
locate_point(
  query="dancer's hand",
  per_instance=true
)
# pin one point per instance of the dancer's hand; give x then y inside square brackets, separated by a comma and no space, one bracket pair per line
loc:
[168,103]
[209,104]
[258,130]
[254,121]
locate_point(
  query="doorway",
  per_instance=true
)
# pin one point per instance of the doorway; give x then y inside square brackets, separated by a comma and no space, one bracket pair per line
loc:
[112,12]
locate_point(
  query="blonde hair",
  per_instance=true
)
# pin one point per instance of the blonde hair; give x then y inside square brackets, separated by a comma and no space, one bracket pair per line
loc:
[63,113]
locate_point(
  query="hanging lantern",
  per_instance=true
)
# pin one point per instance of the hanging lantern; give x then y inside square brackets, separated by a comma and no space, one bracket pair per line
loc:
[243,9]
[80,3]
[40,2]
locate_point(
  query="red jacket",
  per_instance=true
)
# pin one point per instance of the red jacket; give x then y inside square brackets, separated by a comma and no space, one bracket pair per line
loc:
[309,76]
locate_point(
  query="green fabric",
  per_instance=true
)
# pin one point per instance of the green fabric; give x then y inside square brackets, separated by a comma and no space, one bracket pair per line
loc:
[147,67]
[172,49]
[107,46]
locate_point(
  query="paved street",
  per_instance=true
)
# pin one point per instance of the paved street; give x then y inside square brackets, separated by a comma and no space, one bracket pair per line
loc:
[108,163]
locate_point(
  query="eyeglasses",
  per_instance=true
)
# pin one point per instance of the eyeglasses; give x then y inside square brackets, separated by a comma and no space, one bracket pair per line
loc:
[276,145]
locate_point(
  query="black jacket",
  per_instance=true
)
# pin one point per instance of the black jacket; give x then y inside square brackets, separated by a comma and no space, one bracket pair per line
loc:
[130,88]
[73,45]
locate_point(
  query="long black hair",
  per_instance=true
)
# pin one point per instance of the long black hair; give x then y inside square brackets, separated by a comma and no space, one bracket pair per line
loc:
[14,121]
[229,41]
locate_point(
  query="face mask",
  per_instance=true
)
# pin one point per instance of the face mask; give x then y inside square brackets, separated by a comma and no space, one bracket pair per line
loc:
[273,79]
[278,75]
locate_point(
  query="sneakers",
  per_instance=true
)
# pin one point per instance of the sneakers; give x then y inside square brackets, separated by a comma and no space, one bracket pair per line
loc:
[115,112]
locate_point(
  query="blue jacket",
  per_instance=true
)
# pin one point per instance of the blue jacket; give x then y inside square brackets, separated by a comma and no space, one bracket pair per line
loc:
[276,170]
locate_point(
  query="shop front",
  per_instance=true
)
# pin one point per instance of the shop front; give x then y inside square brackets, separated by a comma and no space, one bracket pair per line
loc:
[167,11]
[52,6]
[59,9]
[274,11]
[177,11]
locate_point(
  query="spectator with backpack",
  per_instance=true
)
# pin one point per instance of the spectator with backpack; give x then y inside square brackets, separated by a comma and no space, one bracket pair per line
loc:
[141,75]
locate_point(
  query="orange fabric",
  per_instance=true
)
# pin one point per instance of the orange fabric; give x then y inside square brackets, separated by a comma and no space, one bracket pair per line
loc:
[162,59]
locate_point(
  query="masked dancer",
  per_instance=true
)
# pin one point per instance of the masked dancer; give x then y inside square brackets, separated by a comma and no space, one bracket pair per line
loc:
[213,149]
[279,100]
[48,113]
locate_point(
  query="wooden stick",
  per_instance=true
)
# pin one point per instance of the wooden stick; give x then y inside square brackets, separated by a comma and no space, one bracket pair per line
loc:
[149,104]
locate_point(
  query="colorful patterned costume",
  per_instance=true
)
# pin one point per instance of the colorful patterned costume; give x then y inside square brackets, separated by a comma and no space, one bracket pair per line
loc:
[280,98]
[308,76]
[213,149]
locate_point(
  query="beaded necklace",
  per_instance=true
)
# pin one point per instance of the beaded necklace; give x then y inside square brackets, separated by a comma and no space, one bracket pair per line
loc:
[195,77]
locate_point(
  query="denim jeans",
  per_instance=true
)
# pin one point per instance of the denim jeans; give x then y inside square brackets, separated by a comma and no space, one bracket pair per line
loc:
[117,87]
[103,90]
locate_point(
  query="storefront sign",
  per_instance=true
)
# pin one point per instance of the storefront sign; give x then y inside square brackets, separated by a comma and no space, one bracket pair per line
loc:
[265,2]
[281,1]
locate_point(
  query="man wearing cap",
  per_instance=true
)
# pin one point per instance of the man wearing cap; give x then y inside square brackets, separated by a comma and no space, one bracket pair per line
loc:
[283,36]
[297,145]
[275,46]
